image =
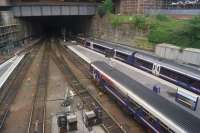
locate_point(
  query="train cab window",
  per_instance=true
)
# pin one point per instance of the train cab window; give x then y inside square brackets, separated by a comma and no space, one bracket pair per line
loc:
[144,63]
[87,44]
[122,55]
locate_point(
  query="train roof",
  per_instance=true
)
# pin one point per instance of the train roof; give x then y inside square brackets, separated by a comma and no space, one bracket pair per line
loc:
[175,114]
[172,65]
[116,47]
[191,72]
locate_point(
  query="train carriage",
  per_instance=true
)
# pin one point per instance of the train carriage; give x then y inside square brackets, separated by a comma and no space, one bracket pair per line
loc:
[172,72]
[180,75]
[150,109]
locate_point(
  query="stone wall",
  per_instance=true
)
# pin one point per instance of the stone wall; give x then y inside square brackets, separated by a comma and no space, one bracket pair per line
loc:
[18,31]
[188,55]
[125,33]
[101,28]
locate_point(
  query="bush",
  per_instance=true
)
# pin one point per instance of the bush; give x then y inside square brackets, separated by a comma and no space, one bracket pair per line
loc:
[140,22]
[162,17]
[101,11]
[159,35]
[116,22]
[106,7]
[189,35]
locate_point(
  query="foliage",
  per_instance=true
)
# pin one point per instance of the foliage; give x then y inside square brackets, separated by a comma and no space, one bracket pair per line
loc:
[140,22]
[101,11]
[106,7]
[162,17]
[163,29]
[116,22]
[189,35]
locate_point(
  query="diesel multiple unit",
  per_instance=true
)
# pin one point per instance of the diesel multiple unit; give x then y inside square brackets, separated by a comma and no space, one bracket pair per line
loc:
[180,75]
[145,106]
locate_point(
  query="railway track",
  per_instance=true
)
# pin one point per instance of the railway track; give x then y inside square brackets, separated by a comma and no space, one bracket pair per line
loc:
[38,112]
[89,102]
[14,82]
[76,61]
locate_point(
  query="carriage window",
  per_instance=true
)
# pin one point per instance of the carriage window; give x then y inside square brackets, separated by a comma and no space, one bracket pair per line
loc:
[196,84]
[179,77]
[98,47]
[168,73]
[144,63]
[122,55]
[183,78]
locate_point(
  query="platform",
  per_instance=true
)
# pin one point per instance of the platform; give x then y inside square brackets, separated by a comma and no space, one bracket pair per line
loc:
[167,91]
[8,67]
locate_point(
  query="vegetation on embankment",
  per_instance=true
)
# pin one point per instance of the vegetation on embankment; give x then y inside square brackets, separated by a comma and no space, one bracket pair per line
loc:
[163,29]
[154,29]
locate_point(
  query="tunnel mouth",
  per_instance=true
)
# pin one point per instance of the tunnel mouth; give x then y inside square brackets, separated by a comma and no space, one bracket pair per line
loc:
[59,25]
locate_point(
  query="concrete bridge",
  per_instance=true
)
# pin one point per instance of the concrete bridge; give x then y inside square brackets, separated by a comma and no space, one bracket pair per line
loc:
[53,9]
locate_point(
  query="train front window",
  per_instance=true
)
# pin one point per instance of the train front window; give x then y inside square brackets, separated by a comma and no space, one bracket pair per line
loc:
[144,63]
[87,44]
[122,55]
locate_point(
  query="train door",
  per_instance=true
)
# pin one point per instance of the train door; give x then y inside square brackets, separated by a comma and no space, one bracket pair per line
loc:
[96,75]
[91,45]
[157,70]
[154,69]
[114,53]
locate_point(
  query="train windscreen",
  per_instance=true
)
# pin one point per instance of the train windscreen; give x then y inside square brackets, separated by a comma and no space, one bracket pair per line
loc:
[187,99]
[87,44]
[186,102]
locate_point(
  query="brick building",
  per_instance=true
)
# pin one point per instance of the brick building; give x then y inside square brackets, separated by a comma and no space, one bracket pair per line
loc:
[135,6]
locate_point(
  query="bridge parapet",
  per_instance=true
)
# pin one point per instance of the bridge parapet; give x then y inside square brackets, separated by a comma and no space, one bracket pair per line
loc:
[54,9]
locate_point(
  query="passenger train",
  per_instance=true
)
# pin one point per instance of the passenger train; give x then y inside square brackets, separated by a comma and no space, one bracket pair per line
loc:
[149,109]
[177,74]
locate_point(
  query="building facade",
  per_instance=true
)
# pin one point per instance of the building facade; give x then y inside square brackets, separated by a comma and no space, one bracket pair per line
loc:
[130,7]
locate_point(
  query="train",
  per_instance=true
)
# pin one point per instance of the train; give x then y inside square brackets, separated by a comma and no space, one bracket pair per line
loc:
[151,110]
[180,75]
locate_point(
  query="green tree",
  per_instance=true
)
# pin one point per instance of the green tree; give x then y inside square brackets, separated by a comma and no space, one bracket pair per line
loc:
[194,29]
[189,35]
[108,4]
[106,7]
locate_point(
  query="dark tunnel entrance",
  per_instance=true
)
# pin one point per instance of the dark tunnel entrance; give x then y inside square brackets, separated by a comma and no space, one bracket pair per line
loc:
[58,25]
